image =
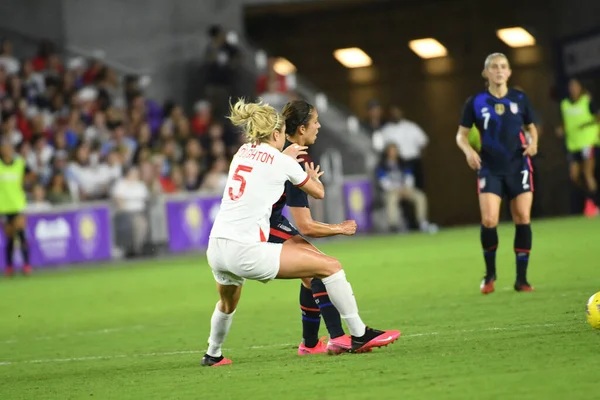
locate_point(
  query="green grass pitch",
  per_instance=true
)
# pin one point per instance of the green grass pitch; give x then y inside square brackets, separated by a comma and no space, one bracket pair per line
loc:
[138,330]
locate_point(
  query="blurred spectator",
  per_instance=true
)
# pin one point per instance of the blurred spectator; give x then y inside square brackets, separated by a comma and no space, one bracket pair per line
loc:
[120,141]
[38,160]
[410,140]
[174,182]
[58,190]
[38,201]
[202,118]
[221,58]
[398,183]
[7,60]
[98,131]
[8,129]
[33,81]
[191,175]
[374,123]
[215,179]
[272,87]
[131,225]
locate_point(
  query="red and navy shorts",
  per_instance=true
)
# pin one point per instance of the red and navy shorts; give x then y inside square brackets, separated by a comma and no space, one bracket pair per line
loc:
[282,230]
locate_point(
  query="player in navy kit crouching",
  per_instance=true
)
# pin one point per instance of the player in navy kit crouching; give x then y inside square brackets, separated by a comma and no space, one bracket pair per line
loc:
[302,127]
[504,164]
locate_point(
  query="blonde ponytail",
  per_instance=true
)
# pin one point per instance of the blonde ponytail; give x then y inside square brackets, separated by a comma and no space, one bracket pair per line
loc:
[259,120]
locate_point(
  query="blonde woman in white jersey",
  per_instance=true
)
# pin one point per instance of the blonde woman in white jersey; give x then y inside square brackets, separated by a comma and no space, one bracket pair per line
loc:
[238,247]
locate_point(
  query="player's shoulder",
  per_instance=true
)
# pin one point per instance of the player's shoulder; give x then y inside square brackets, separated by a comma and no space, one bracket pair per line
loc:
[517,95]
[482,94]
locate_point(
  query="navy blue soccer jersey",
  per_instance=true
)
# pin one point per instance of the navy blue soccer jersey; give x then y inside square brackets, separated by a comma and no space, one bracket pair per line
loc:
[292,196]
[500,123]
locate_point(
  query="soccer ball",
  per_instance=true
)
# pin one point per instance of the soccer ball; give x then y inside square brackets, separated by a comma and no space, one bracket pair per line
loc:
[593,311]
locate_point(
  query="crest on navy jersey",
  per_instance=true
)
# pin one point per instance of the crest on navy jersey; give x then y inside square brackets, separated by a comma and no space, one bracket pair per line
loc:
[514,108]
[499,108]
[481,183]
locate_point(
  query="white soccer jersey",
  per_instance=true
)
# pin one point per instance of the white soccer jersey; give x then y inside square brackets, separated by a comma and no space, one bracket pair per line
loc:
[257,176]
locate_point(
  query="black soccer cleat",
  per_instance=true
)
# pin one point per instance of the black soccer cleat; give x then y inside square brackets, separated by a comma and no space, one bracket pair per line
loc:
[523,286]
[373,338]
[210,361]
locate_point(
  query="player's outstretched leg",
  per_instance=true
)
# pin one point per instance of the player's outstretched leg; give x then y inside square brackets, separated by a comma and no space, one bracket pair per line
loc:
[299,262]
[220,324]
[311,321]
[339,342]
[521,208]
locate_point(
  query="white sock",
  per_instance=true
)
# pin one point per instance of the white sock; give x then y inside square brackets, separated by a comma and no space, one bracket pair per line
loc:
[219,328]
[342,297]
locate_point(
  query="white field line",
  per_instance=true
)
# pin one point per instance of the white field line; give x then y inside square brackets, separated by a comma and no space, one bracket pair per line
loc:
[172,353]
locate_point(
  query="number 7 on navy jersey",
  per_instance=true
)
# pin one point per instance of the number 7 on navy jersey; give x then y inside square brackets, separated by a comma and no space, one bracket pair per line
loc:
[525,180]
[238,177]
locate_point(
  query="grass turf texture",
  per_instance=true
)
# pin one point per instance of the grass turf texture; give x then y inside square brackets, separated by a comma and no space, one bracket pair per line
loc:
[139,330]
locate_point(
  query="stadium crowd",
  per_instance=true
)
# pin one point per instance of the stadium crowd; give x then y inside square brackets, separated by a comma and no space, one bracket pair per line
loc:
[82,129]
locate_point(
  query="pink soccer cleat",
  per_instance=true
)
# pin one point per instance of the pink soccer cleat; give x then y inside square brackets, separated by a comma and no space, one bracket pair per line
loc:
[339,345]
[321,347]
[373,338]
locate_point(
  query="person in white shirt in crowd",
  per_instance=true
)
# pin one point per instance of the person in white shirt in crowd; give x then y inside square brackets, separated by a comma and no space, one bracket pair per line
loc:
[7,59]
[397,182]
[8,128]
[39,159]
[87,180]
[410,140]
[131,195]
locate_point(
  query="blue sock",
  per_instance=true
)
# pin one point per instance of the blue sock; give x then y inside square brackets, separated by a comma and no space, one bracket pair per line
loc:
[330,314]
[311,317]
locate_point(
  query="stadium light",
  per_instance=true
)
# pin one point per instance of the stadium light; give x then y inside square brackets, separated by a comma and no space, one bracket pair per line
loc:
[516,37]
[428,48]
[284,67]
[352,57]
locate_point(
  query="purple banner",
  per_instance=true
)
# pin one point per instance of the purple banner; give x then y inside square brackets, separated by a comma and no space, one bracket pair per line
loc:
[189,222]
[65,238]
[358,198]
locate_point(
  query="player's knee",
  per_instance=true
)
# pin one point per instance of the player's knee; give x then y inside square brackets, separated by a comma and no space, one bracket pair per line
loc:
[227,306]
[489,221]
[521,219]
[331,266]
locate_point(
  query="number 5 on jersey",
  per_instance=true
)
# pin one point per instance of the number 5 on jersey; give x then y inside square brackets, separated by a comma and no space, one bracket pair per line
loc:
[238,177]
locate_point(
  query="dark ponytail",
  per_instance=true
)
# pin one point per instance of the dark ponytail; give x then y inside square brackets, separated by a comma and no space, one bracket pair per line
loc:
[297,113]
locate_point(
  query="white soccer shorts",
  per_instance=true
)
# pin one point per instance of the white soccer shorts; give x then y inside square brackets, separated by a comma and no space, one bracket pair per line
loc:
[233,262]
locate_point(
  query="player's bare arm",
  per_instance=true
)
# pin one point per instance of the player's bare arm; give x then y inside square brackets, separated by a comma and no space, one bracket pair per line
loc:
[531,149]
[315,229]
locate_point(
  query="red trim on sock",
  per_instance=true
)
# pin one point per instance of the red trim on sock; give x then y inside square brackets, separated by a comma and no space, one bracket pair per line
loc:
[309,309]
